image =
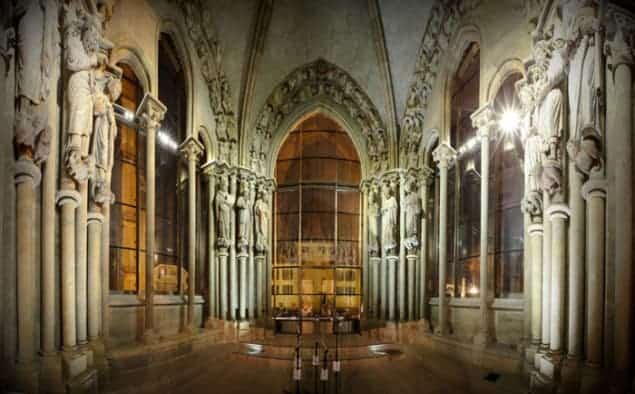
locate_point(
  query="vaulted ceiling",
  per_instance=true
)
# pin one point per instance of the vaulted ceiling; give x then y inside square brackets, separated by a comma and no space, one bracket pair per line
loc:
[375,41]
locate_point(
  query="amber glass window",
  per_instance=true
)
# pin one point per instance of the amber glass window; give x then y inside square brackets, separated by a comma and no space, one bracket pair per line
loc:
[127,214]
[170,274]
[464,181]
[317,222]
[506,191]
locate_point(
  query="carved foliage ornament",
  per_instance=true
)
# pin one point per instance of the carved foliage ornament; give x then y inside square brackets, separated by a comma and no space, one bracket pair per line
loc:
[319,78]
[442,24]
[202,33]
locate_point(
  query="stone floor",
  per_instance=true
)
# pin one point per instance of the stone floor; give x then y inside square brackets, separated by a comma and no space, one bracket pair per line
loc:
[415,370]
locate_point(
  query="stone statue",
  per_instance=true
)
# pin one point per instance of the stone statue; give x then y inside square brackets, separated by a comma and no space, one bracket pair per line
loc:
[244,216]
[374,214]
[104,134]
[224,208]
[83,42]
[412,214]
[389,220]
[261,212]
[36,36]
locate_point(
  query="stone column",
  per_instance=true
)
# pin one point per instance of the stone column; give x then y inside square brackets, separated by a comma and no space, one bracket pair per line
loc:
[375,265]
[546,277]
[105,271]
[233,263]
[152,112]
[485,123]
[427,176]
[223,261]
[212,302]
[95,220]
[191,150]
[594,191]
[391,265]
[402,312]
[68,200]
[576,265]
[251,285]
[27,177]
[81,220]
[619,127]
[558,213]
[536,233]
[444,155]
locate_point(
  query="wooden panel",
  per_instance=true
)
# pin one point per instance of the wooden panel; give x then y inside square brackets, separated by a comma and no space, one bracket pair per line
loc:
[348,227]
[287,201]
[348,202]
[318,144]
[318,200]
[288,172]
[319,170]
[290,149]
[287,227]
[345,147]
[318,226]
[348,173]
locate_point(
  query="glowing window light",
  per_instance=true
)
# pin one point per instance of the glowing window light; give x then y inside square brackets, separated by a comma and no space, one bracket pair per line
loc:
[167,141]
[473,290]
[509,121]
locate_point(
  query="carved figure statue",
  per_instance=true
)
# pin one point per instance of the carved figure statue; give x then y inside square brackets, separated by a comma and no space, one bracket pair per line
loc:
[389,220]
[104,134]
[244,215]
[412,214]
[224,207]
[83,42]
[374,215]
[261,212]
[35,45]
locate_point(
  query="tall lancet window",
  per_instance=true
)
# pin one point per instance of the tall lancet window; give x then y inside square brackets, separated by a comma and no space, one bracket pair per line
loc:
[464,181]
[506,190]
[317,269]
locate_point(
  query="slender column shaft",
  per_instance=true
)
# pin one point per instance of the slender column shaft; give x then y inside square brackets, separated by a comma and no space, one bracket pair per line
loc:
[68,201]
[366,285]
[82,262]
[411,262]
[443,244]
[401,285]
[383,283]
[595,195]
[527,279]
[536,234]
[224,294]
[212,304]
[558,214]
[622,129]
[95,221]
[423,254]
[484,335]
[375,265]
[576,265]
[105,272]
[243,261]
[49,186]
[150,226]
[251,288]
[27,177]
[260,262]
[392,268]
[546,276]
[234,286]
[191,239]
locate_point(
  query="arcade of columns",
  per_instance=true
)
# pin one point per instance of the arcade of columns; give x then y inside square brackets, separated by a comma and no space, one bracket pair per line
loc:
[577,108]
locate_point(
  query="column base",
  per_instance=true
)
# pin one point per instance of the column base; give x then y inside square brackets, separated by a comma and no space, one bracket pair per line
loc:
[592,380]
[482,339]
[424,326]
[149,337]
[101,364]
[27,377]
[530,354]
[213,324]
[51,375]
[570,374]
[75,363]
[551,365]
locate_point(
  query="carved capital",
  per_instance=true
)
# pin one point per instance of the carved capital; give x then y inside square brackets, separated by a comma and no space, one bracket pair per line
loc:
[151,112]
[26,170]
[620,49]
[595,187]
[444,155]
[64,197]
[558,211]
[484,120]
[535,230]
[191,149]
[95,218]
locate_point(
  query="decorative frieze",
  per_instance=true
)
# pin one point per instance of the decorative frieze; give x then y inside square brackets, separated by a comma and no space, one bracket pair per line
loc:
[442,23]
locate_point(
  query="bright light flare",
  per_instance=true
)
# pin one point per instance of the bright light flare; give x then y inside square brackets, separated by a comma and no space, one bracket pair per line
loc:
[510,121]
